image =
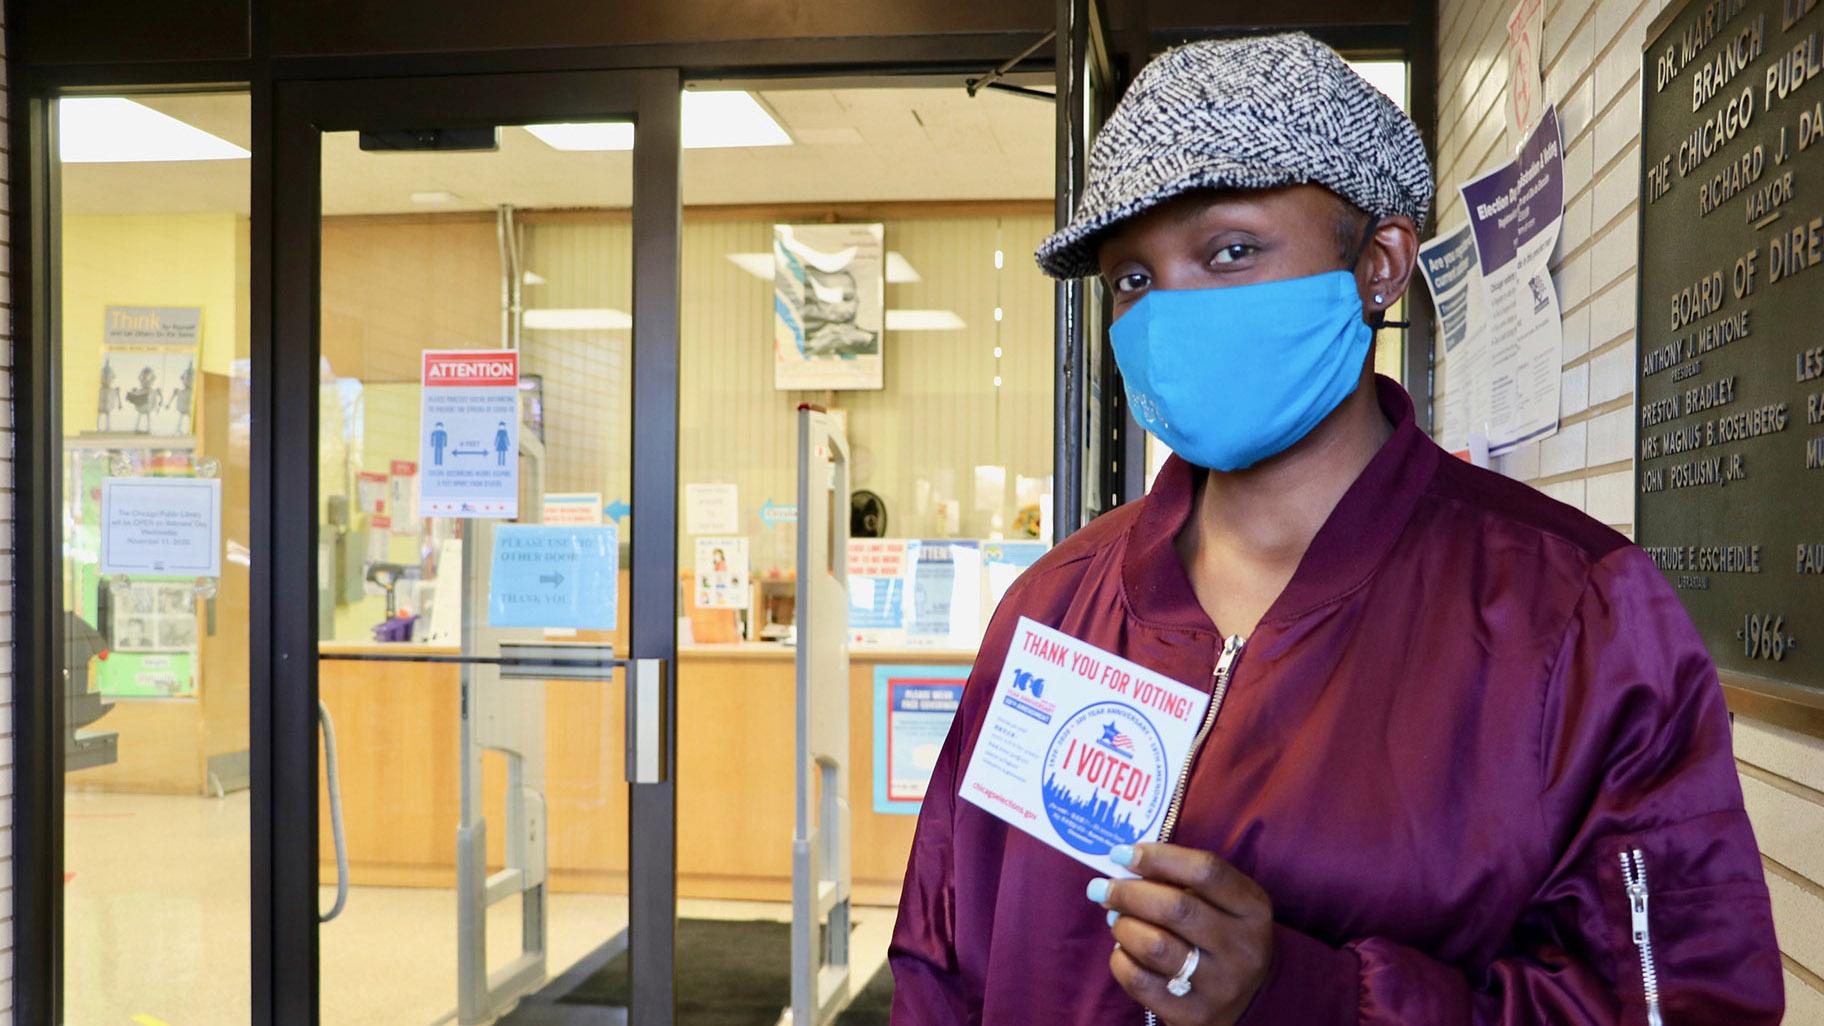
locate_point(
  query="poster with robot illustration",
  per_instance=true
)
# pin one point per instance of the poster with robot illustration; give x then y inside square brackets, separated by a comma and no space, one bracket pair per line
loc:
[829,306]
[148,383]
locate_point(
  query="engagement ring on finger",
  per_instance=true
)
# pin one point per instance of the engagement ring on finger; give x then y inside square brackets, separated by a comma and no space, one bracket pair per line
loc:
[1180,985]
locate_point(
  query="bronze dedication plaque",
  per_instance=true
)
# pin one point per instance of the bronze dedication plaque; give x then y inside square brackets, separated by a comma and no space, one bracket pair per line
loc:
[1729,470]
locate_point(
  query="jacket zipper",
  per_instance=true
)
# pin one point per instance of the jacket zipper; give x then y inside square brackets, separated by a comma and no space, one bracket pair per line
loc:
[1634,877]
[1219,687]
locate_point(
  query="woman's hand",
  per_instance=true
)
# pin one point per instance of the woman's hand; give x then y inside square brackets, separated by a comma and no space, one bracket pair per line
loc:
[1187,897]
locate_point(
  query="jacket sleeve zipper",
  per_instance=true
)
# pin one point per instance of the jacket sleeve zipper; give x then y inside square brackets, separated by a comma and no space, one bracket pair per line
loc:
[1634,878]
[1219,687]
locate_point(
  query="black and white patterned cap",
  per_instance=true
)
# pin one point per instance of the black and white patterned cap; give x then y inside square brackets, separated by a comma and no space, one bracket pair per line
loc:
[1250,113]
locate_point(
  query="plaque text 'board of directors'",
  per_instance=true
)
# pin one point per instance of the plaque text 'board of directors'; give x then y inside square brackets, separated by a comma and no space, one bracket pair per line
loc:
[1729,473]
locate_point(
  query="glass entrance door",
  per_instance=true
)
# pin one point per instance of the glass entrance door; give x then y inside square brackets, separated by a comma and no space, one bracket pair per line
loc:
[473,487]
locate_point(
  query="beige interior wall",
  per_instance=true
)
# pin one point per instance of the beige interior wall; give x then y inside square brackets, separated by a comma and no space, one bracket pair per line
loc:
[1591,54]
[918,441]
[393,286]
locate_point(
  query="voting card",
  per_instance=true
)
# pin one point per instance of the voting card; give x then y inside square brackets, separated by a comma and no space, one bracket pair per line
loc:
[1081,748]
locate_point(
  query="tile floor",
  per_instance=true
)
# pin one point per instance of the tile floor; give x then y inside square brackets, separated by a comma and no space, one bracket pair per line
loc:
[156,925]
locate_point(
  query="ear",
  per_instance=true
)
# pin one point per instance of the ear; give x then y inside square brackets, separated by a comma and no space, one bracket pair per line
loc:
[1386,265]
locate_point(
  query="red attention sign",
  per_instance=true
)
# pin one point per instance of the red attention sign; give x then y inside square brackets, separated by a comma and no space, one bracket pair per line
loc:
[471,369]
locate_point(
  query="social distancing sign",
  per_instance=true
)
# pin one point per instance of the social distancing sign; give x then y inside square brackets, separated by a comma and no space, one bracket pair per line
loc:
[468,463]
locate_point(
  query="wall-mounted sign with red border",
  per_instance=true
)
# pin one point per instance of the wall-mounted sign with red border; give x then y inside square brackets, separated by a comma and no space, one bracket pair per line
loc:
[468,464]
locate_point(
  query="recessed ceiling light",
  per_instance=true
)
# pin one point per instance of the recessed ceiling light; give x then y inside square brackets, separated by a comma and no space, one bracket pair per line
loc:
[728,118]
[577,319]
[899,270]
[924,320]
[116,130]
[583,136]
[843,136]
[760,265]
[710,120]
[434,197]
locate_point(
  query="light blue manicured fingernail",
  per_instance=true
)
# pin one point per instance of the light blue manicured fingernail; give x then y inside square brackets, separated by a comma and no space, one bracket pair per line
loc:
[1098,891]
[1121,855]
[1112,916]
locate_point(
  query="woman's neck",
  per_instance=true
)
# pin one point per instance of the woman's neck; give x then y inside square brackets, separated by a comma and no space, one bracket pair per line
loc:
[1250,528]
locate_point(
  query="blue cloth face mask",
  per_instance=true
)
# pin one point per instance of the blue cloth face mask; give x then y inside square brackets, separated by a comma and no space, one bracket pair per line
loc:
[1227,377]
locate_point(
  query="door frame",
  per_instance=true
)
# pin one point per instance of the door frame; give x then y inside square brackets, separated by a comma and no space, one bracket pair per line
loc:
[1091,428]
[286,345]
[34,83]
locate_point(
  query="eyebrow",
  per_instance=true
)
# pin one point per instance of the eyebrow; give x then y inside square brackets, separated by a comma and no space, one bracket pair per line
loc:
[1188,212]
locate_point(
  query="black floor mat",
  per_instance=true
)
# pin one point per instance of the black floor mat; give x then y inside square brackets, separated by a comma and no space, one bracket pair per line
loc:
[873,1005]
[729,973]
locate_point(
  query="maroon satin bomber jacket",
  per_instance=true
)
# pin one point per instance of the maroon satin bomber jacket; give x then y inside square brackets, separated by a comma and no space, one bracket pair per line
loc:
[1468,707]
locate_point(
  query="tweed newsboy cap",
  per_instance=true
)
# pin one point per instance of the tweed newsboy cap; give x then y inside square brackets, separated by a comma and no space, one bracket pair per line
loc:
[1244,114]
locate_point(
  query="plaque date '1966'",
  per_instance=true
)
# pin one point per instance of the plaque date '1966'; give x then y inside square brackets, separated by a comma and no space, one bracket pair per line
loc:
[1765,637]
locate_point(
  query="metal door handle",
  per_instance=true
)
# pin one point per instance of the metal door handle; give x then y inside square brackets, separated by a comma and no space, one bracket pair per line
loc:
[335,813]
[646,755]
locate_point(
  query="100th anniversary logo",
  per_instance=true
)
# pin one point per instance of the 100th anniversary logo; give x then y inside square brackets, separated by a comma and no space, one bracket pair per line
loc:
[1104,777]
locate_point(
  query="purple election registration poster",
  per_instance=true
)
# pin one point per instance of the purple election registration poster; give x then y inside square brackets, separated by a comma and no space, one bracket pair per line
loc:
[1515,214]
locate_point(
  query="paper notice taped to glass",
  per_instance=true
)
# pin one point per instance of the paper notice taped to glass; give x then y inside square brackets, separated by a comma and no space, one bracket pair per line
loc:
[161,526]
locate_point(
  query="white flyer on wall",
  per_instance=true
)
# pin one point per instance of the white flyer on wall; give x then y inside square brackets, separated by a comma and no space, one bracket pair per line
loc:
[722,574]
[402,496]
[468,463]
[1081,748]
[712,508]
[1525,86]
[829,306]
[573,509]
[161,526]
[1515,213]
[1002,564]
[878,577]
[1448,263]
[946,584]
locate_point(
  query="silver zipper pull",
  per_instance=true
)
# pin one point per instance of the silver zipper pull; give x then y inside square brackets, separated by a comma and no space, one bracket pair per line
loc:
[1634,878]
[1637,898]
[1225,662]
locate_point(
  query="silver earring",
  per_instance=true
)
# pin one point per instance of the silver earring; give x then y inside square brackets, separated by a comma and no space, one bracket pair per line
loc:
[1378,298]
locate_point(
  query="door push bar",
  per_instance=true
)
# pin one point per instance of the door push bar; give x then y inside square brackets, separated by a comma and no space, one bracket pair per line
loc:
[647,759]
[648,762]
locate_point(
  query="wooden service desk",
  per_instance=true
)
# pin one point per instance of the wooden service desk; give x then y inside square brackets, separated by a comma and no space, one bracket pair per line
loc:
[397,731]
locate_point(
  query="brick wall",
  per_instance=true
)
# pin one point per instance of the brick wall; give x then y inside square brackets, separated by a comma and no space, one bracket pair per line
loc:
[1591,53]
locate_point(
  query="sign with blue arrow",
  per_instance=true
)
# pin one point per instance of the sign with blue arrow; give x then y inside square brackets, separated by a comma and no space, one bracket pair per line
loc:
[617,511]
[554,576]
[774,514]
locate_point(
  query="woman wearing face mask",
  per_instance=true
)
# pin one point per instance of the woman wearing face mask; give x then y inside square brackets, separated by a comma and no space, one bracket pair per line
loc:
[1466,760]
